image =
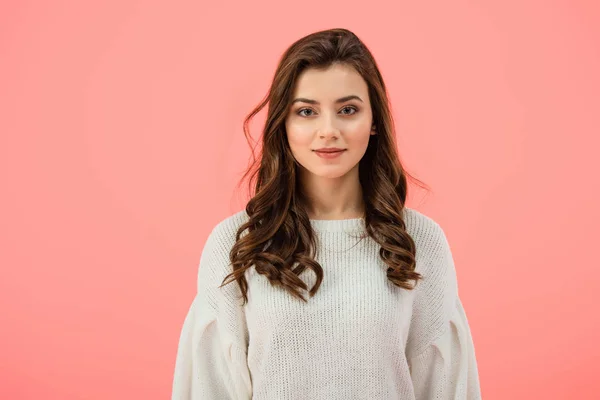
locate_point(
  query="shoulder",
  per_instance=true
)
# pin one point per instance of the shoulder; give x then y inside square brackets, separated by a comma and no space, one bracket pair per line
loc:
[421,227]
[225,230]
[424,230]
[222,236]
[215,265]
[434,256]
[427,233]
[430,239]
[215,262]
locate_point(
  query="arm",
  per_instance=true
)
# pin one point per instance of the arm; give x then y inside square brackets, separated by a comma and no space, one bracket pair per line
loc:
[440,349]
[211,357]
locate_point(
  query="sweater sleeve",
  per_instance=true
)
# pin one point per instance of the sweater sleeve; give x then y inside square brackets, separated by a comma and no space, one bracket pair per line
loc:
[440,349]
[211,360]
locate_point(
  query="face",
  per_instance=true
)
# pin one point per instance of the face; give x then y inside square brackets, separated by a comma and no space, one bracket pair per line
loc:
[319,120]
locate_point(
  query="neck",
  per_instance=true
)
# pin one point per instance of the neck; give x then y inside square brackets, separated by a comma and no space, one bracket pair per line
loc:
[333,198]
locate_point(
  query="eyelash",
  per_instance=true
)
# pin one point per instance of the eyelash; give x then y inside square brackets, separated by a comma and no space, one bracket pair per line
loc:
[303,109]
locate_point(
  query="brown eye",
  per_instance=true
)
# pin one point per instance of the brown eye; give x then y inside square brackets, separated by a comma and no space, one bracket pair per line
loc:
[345,108]
[304,109]
[351,108]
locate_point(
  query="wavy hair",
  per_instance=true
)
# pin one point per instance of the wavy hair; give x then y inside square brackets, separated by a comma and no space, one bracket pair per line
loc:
[279,241]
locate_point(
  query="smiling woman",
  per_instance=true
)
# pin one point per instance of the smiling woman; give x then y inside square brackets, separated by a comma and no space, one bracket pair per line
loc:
[328,213]
[336,121]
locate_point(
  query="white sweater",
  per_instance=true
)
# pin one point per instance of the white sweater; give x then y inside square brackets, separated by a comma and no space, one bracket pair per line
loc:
[359,337]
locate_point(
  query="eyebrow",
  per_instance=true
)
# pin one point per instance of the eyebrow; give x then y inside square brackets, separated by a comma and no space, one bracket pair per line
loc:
[340,100]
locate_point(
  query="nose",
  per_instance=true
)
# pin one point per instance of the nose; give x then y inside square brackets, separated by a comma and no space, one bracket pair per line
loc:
[327,128]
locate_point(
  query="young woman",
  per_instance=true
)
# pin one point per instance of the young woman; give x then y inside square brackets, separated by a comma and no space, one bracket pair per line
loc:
[383,319]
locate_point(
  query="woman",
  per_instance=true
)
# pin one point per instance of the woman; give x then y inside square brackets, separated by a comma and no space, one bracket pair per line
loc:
[383,319]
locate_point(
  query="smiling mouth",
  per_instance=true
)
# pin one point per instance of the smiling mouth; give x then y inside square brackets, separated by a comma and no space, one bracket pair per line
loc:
[329,151]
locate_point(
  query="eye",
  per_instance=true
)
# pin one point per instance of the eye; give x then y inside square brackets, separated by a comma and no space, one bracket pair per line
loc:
[351,108]
[345,108]
[304,109]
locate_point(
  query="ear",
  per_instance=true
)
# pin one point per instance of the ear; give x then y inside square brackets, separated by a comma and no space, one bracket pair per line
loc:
[373,130]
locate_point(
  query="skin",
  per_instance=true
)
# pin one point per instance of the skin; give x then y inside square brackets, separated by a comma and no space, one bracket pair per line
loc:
[332,185]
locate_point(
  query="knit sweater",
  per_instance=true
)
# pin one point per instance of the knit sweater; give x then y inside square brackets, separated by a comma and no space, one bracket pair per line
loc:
[359,337]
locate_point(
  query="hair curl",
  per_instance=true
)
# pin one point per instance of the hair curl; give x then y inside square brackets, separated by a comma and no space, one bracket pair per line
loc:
[280,243]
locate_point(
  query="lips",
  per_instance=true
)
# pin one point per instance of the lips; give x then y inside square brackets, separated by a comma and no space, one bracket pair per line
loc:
[330,151]
[329,155]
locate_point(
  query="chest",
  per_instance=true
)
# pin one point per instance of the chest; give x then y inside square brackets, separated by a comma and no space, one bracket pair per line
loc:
[355,298]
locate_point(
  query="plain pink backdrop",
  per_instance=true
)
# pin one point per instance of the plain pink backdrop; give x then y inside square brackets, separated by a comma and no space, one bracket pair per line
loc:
[121,145]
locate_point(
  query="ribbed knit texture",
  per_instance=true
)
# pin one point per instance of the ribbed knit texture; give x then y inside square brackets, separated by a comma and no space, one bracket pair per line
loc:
[359,337]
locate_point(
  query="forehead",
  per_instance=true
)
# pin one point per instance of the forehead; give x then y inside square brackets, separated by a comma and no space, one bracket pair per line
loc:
[329,84]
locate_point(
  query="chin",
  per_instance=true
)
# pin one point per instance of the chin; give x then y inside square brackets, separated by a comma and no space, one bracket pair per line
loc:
[331,173]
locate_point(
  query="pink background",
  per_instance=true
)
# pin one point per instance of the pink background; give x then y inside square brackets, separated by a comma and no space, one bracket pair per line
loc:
[121,145]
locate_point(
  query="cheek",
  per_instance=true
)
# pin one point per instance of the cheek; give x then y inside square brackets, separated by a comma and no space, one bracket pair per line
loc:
[298,138]
[359,137]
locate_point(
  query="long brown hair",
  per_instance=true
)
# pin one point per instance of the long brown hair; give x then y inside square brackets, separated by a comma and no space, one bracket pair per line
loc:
[279,241]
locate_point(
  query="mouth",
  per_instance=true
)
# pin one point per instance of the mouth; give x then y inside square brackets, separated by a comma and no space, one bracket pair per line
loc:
[329,151]
[329,154]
